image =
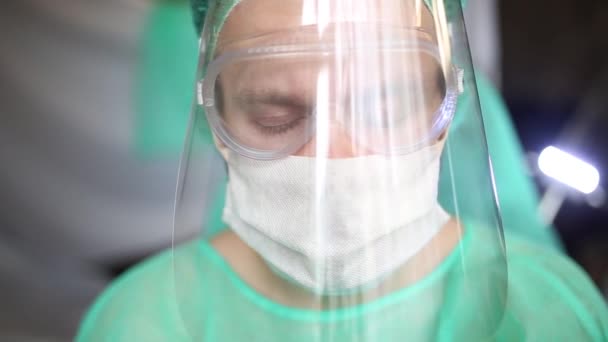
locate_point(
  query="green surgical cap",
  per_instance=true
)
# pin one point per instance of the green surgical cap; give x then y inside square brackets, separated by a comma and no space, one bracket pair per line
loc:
[200,7]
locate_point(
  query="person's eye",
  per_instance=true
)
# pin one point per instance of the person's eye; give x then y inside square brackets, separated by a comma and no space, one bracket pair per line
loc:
[279,129]
[279,124]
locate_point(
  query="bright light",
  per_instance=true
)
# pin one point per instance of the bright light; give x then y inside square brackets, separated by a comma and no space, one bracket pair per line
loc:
[569,169]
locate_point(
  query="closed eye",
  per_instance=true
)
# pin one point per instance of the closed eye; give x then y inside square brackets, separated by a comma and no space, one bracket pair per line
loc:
[281,128]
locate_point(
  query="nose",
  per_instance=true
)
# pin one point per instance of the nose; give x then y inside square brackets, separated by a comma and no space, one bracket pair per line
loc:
[333,142]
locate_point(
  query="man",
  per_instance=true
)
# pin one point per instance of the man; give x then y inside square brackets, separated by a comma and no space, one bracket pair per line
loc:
[344,223]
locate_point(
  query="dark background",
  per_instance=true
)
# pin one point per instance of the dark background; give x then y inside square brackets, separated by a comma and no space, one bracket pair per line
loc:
[555,78]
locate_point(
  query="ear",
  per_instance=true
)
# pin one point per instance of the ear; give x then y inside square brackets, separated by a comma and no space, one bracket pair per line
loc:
[443,136]
[221,147]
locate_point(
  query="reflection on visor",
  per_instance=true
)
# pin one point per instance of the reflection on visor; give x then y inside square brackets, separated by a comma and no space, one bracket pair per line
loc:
[387,99]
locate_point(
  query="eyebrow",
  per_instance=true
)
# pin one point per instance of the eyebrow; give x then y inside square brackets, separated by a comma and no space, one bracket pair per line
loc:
[271,97]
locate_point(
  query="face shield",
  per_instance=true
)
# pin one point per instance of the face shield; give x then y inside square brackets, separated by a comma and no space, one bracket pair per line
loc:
[359,202]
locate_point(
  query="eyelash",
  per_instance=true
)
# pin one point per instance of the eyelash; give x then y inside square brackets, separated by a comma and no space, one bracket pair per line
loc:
[280,129]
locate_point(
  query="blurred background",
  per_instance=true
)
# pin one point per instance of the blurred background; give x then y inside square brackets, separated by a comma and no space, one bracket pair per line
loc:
[90,143]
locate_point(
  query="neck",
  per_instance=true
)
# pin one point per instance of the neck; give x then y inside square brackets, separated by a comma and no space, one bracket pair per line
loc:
[250,266]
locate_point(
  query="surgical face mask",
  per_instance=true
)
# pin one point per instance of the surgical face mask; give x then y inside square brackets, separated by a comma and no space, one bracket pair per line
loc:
[335,226]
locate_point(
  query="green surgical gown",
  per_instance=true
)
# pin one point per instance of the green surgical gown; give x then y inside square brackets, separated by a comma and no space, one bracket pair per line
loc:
[549,299]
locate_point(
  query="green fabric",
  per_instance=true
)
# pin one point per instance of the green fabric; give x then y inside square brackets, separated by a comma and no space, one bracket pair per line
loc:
[550,299]
[517,193]
[165,80]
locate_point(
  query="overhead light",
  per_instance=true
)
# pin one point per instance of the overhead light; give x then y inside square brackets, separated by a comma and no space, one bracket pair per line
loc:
[569,170]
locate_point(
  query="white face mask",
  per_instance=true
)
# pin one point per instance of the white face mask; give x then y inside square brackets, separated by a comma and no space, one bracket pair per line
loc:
[339,224]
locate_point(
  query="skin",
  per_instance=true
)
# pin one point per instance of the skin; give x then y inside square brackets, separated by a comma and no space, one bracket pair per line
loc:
[256,18]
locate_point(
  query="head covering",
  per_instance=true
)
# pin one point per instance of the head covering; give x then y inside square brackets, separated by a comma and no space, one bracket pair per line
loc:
[164,77]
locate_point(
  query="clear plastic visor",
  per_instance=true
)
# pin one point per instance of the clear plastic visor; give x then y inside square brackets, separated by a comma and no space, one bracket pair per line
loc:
[356,200]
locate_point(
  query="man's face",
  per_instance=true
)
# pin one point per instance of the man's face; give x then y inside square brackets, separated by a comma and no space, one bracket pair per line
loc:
[337,94]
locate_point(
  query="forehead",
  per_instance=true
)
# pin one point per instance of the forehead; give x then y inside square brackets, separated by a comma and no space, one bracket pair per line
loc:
[251,18]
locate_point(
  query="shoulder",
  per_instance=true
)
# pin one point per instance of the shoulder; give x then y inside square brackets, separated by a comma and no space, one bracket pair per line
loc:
[550,297]
[141,304]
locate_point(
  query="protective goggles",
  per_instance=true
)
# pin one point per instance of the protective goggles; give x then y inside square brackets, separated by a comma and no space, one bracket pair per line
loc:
[267,97]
